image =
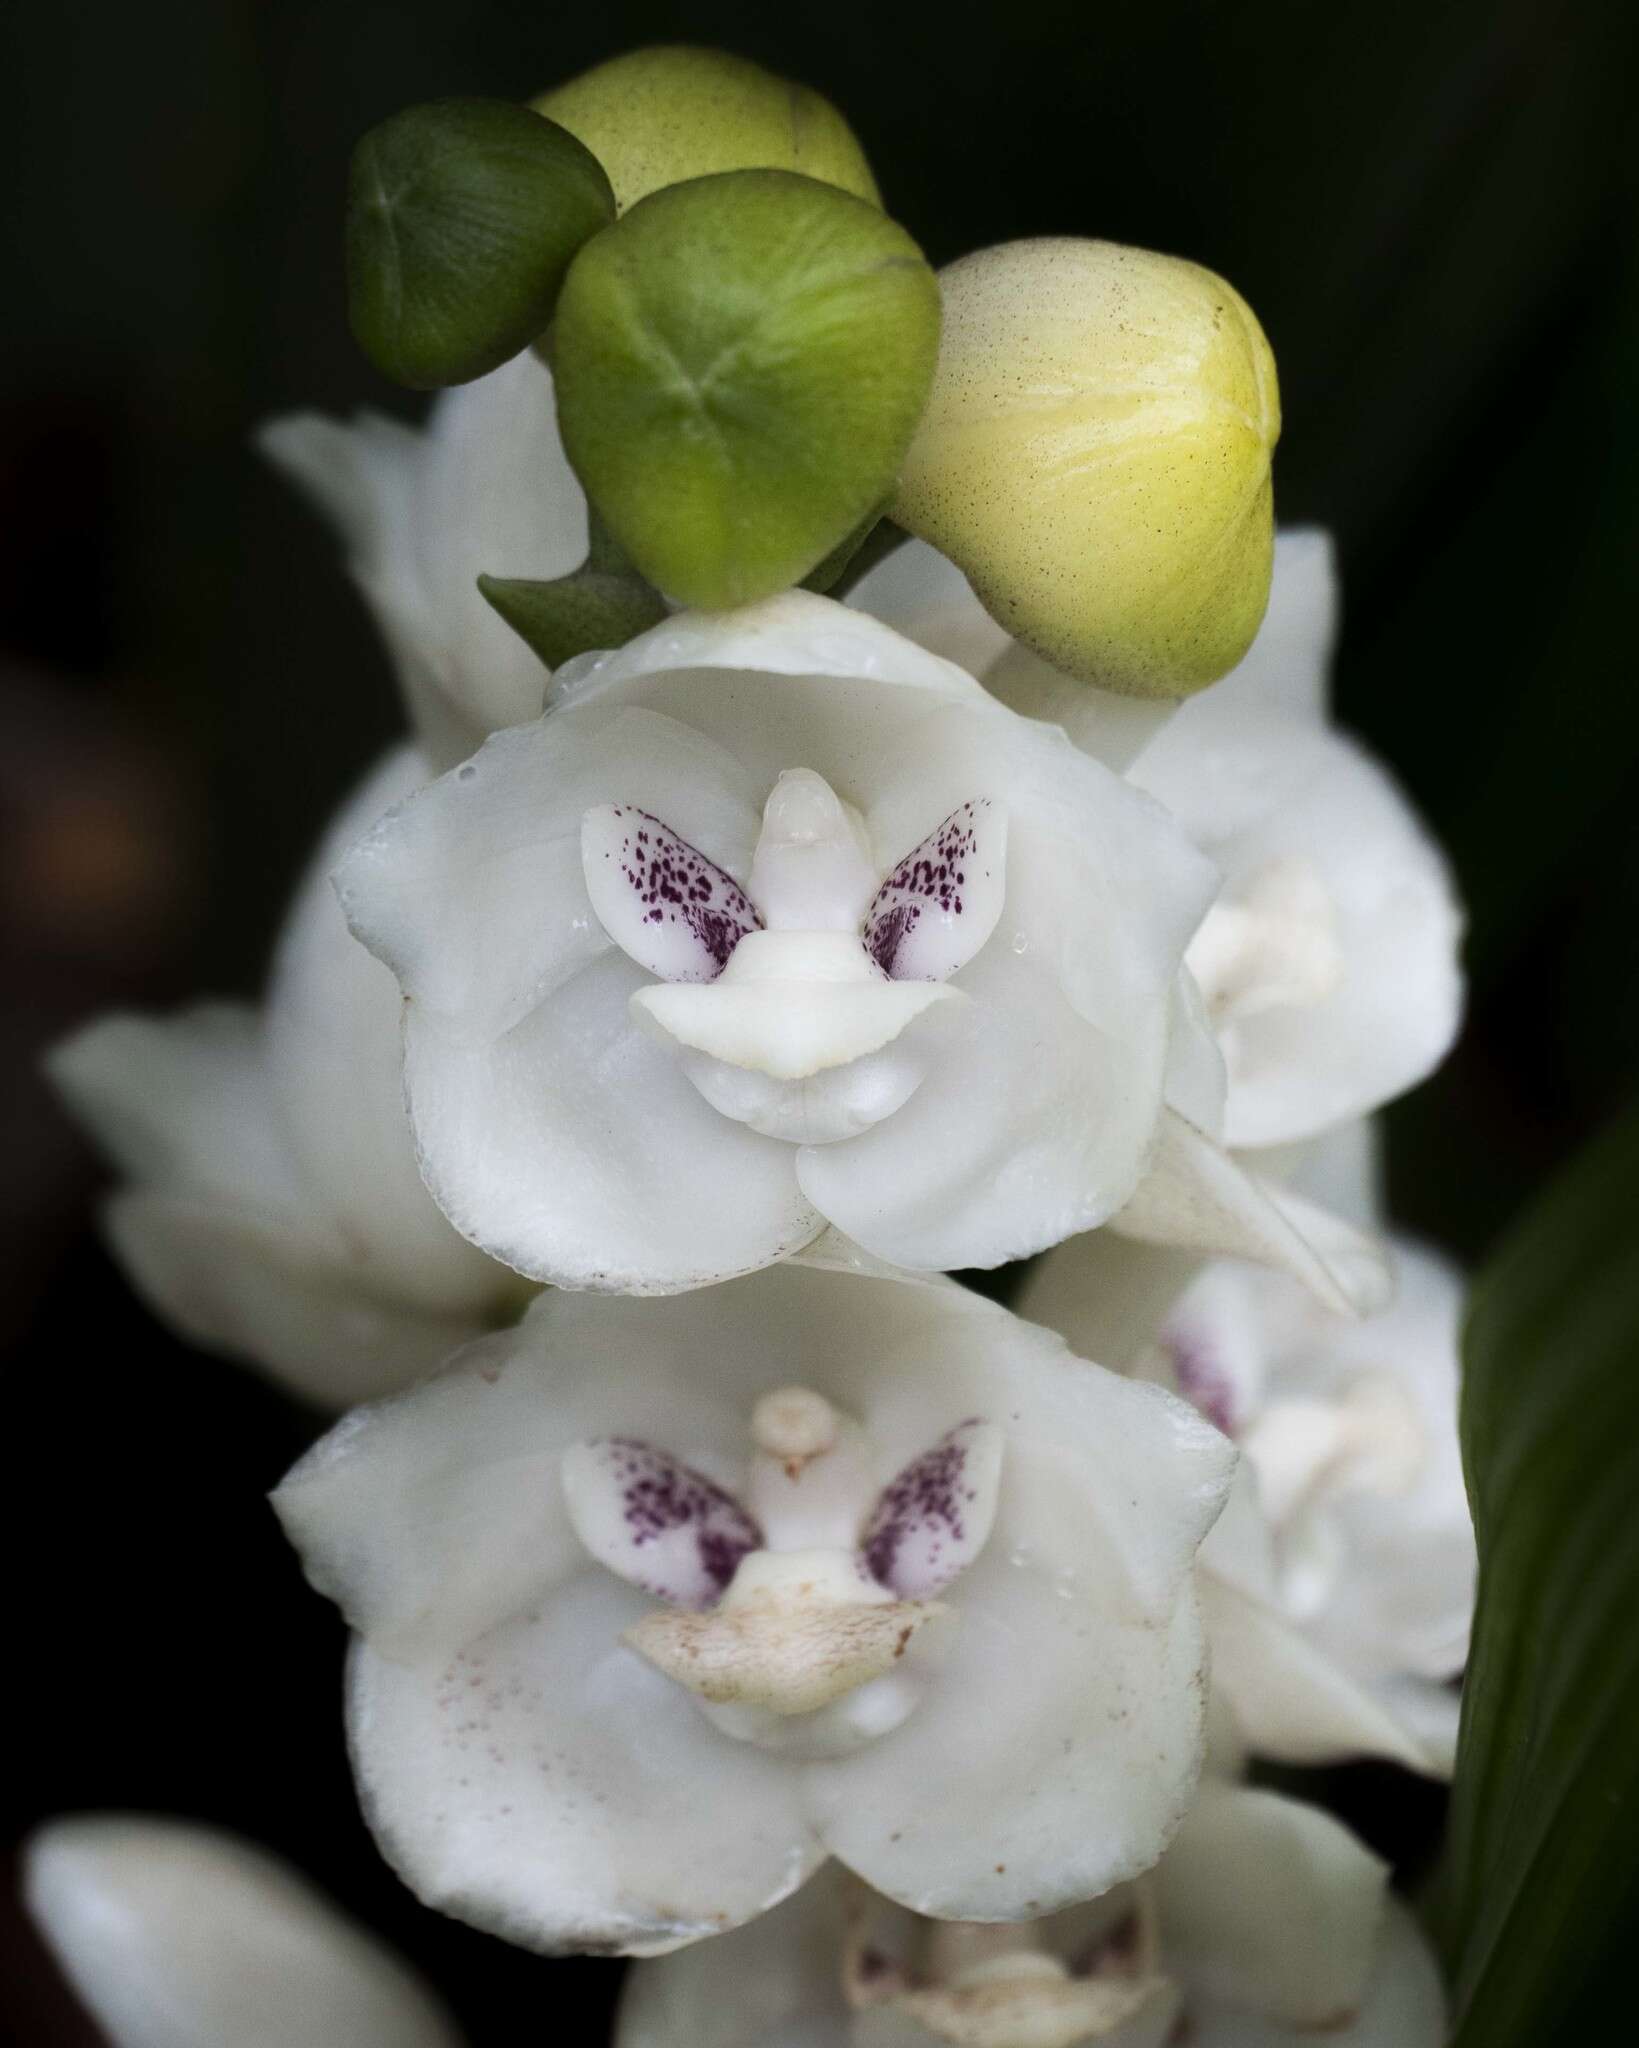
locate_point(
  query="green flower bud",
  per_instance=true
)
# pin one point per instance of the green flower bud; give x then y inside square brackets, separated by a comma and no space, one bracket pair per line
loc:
[741,361]
[1095,456]
[462,218]
[655,117]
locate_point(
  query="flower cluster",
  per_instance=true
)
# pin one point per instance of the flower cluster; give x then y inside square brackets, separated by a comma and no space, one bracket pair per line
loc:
[650,1040]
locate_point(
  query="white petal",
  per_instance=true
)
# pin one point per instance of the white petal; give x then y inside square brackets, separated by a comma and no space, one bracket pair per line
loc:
[665,905]
[1000,1799]
[1036,1122]
[184,1103]
[256,1288]
[942,900]
[776,1983]
[1271,1905]
[551,1131]
[1197,1197]
[1074,1781]
[176,1936]
[1267,791]
[1403,2005]
[1406,1598]
[935,1515]
[792,635]
[656,1522]
[545,1783]
[484,488]
[576,1149]
[920,593]
[1106,1294]
[1290,1701]
[335,1058]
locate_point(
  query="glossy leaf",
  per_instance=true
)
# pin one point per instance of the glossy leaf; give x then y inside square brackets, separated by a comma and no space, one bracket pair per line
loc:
[1540,1894]
[462,218]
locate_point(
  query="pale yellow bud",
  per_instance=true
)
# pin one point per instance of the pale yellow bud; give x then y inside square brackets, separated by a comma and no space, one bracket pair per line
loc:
[1095,457]
[655,117]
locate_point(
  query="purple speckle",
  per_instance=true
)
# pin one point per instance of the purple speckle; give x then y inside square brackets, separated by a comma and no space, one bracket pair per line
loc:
[660,1495]
[917,1539]
[932,876]
[676,884]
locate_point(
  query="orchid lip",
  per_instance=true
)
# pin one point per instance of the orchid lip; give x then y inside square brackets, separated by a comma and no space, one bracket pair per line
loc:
[808,1587]
[815,963]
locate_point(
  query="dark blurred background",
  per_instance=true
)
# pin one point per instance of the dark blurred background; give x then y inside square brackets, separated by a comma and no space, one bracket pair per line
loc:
[1432,209]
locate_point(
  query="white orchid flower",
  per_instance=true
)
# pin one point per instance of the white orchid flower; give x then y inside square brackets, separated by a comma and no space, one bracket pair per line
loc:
[1328,965]
[775,921]
[271,1206]
[484,487]
[1265,1923]
[660,1603]
[1339,1584]
[178,1936]
[1323,981]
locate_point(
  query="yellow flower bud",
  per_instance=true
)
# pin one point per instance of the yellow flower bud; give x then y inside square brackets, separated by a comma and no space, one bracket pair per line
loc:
[1095,456]
[655,117]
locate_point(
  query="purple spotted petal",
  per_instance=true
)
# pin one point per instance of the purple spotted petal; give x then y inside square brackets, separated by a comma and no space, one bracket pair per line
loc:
[655,1521]
[676,913]
[941,902]
[931,1522]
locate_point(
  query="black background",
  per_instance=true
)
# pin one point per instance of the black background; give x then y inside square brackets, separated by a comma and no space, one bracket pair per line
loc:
[1431,209]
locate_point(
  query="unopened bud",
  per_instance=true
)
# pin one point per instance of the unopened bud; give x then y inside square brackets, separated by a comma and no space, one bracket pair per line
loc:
[1095,457]
[655,117]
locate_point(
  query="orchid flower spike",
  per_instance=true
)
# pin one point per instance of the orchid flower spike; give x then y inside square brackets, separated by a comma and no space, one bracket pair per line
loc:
[660,1604]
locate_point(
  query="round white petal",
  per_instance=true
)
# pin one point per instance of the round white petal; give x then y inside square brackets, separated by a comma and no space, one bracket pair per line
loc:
[1270,1905]
[546,1784]
[922,594]
[1403,2005]
[176,1936]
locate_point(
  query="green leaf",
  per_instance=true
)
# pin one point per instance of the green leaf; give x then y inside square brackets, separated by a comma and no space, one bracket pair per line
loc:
[462,218]
[1539,1900]
[567,615]
[741,361]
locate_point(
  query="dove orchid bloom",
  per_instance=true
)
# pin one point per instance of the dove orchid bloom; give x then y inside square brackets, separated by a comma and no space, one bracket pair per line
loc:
[775,920]
[661,1603]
